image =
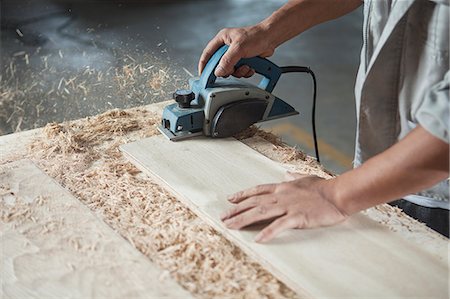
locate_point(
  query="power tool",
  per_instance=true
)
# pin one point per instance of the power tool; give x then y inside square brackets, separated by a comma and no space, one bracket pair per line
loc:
[219,107]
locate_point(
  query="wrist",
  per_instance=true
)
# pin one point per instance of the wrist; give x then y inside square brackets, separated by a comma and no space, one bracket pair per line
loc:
[332,193]
[267,30]
[289,21]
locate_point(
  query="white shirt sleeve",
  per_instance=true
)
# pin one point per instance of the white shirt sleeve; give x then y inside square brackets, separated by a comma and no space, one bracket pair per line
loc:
[434,112]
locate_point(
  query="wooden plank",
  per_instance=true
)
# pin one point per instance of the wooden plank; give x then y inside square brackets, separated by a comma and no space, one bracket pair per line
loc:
[358,258]
[15,144]
[54,247]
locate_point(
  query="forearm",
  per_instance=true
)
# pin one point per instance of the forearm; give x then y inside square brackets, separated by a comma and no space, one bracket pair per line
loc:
[296,16]
[418,161]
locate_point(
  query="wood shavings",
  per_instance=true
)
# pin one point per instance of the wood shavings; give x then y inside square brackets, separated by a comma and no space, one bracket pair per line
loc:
[292,158]
[20,211]
[158,79]
[80,137]
[34,88]
[255,131]
[390,216]
[291,154]
[19,33]
[155,83]
[83,156]
[188,72]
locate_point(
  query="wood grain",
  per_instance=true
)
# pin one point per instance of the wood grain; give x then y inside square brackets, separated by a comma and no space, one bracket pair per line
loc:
[54,247]
[358,258]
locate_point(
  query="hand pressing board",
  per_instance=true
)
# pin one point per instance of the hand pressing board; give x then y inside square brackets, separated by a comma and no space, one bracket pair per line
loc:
[52,246]
[358,258]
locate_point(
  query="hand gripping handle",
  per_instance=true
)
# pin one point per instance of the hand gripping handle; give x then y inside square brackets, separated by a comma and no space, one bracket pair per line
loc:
[270,71]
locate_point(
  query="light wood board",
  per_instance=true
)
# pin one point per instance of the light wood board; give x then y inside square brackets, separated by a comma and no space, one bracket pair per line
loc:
[52,246]
[359,258]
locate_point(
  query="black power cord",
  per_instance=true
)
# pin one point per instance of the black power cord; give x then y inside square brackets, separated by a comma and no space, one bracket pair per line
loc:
[304,69]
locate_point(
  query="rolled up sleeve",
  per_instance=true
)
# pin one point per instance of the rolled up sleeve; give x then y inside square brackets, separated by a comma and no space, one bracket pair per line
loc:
[433,114]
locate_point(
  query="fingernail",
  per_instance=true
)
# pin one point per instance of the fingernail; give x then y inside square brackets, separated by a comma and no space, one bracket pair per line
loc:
[220,71]
[231,197]
[246,68]
[258,238]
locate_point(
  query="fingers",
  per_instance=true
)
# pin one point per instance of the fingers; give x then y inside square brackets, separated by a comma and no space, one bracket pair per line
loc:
[254,215]
[243,42]
[244,71]
[258,190]
[241,71]
[280,225]
[229,60]
[248,204]
[250,73]
[209,50]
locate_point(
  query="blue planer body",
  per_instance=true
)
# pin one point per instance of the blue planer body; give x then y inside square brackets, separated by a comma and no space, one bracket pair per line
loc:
[219,107]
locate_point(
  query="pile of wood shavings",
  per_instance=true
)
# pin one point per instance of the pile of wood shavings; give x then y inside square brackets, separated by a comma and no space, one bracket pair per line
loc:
[275,149]
[83,156]
[20,211]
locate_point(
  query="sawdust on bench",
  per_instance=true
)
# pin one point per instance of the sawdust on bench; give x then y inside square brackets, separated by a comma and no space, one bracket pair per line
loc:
[84,157]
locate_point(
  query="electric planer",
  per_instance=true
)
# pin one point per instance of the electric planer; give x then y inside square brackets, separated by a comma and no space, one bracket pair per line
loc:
[219,107]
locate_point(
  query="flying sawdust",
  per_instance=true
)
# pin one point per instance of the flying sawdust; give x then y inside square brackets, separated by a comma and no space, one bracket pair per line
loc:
[32,94]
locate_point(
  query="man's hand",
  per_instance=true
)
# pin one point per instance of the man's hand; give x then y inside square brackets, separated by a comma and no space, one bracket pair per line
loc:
[418,161]
[304,202]
[245,42]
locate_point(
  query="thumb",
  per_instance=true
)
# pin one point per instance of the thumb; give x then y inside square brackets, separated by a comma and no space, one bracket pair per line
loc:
[228,61]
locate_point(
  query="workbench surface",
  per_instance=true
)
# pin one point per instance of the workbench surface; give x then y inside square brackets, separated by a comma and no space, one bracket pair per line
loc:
[16,146]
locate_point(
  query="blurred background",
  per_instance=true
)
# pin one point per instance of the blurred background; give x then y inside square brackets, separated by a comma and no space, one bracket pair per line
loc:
[63,60]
